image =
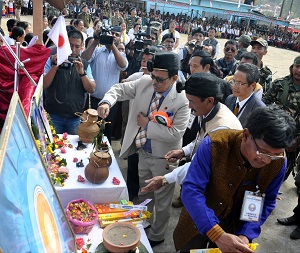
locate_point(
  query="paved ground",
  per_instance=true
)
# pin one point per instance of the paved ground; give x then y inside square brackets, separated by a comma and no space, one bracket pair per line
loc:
[274,237]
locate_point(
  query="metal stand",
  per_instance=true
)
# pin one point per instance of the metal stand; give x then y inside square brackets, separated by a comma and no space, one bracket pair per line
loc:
[18,63]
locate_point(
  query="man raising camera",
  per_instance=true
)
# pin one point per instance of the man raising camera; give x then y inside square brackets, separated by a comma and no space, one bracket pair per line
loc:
[106,64]
[65,87]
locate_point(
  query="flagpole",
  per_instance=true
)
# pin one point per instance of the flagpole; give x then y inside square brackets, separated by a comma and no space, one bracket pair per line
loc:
[280,14]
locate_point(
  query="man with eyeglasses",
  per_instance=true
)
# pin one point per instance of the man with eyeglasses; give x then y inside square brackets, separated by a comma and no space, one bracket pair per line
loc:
[232,183]
[106,63]
[152,93]
[228,64]
[243,100]
[252,58]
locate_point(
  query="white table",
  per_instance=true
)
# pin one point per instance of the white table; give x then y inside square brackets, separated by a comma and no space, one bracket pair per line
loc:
[105,192]
[95,237]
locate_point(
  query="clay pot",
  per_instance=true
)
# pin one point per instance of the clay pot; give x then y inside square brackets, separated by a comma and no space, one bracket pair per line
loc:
[121,237]
[88,129]
[96,170]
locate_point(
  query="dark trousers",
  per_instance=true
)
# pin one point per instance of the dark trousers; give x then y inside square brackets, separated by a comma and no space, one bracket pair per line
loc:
[133,182]
[297,211]
[110,118]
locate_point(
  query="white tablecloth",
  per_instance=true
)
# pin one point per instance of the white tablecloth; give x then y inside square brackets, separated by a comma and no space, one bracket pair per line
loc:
[95,237]
[105,192]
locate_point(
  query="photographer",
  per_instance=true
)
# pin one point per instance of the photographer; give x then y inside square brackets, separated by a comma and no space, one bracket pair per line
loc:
[65,87]
[106,64]
[196,43]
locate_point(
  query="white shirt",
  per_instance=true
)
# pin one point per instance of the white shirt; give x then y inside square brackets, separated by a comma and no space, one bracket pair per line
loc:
[241,104]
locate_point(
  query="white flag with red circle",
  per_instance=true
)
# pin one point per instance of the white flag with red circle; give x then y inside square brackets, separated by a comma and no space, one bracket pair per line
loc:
[59,36]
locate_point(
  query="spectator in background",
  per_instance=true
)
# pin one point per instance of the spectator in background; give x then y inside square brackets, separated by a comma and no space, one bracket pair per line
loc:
[10,24]
[97,24]
[212,40]
[243,44]
[176,35]
[18,34]
[26,26]
[228,64]
[116,19]
[85,16]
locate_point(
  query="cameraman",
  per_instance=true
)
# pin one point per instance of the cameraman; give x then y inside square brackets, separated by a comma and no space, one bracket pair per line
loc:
[187,51]
[65,87]
[106,64]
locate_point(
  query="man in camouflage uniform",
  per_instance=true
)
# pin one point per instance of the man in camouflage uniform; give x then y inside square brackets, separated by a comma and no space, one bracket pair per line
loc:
[243,44]
[85,16]
[130,21]
[286,93]
[116,19]
[260,47]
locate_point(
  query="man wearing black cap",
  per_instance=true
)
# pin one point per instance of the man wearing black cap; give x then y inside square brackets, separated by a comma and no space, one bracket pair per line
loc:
[85,16]
[151,93]
[130,21]
[106,64]
[116,19]
[204,95]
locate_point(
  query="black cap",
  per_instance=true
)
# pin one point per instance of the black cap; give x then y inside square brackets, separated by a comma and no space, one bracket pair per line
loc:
[133,8]
[203,85]
[165,61]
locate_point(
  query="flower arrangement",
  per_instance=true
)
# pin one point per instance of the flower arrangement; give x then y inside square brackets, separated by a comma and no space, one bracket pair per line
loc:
[82,216]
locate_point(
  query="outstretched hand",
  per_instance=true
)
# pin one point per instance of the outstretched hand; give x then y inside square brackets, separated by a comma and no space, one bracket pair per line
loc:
[153,184]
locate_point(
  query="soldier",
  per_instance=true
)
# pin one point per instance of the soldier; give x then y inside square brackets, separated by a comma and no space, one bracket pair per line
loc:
[260,47]
[130,21]
[286,93]
[243,44]
[117,19]
[85,16]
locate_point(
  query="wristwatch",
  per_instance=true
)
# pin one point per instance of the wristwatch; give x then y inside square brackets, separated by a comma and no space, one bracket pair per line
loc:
[164,181]
[84,74]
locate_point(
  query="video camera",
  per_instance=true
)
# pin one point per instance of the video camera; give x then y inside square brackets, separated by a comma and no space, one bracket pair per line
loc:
[105,37]
[140,40]
[193,45]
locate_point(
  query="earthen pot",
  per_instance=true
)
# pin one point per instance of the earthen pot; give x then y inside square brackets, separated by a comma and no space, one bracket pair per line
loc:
[96,170]
[121,237]
[88,128]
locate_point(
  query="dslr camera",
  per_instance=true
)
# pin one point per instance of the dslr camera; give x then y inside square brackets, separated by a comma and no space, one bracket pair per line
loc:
[193,45]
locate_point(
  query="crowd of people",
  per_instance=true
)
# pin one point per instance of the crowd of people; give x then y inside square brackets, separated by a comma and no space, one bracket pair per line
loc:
[217,105]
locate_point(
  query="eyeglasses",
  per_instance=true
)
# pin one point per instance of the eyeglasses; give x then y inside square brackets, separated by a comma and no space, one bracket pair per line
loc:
[266,156]
[238,84]
[227,49]
[116,34]
[158,79]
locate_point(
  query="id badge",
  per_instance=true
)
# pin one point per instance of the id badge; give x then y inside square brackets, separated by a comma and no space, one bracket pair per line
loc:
[191,120]
[252,206]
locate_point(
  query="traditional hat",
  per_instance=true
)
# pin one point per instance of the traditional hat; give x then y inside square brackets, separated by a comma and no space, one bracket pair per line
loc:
[116,28]
[297,60]
[168,36]
[164,61]
[198,30]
